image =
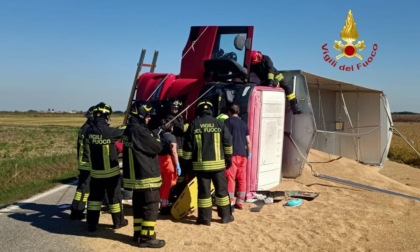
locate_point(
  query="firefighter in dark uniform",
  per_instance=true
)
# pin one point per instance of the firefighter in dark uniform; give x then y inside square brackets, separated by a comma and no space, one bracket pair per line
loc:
[141,173]
[208,145]
[178,131]
[82,191]
[178,124]
[105,169]
[262,66]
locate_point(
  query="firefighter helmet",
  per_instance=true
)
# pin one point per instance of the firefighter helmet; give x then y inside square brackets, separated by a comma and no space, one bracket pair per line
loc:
[204,106]
[140,109]
[256,57]
[89,112]
[176,104]
[102,110]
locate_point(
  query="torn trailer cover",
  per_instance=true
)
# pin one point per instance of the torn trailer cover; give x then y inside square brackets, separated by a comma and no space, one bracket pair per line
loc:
[340,118]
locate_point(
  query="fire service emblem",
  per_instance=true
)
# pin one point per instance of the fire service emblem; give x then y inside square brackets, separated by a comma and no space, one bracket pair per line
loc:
[350,48]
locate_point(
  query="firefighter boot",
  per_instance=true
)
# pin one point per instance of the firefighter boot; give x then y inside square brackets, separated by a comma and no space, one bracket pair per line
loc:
[226,214]
[204,216]
[118,220]
[136,236]
[92,219]
[295,108]
[150,241]
[220,210]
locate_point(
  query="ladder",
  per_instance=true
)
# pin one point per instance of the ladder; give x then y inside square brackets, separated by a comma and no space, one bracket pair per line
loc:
[133,93]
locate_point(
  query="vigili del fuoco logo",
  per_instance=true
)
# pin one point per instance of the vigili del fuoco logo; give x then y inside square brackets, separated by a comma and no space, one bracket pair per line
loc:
[350,48]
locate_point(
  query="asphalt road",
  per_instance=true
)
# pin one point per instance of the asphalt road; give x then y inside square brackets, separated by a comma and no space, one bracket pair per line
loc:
[42,223]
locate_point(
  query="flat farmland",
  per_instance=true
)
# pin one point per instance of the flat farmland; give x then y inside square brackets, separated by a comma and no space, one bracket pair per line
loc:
[37,152]
[53,119]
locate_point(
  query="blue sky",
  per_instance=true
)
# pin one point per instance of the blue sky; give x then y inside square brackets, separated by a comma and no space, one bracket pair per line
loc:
[72,54]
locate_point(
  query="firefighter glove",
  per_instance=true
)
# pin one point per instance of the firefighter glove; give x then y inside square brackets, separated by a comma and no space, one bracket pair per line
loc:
[178,169]
[269,83]
[228,161]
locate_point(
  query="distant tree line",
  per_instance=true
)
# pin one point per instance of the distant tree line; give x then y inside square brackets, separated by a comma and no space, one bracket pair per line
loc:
[405,116]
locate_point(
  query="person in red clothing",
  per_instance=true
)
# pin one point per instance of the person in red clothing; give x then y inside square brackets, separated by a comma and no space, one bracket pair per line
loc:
[168,161]
[241,142]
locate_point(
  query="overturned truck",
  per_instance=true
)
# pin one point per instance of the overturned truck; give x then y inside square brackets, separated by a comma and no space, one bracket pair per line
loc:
[338,118]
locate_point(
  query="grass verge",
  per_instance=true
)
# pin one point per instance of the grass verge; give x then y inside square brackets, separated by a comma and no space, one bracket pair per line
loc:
[37,152]
[21,178]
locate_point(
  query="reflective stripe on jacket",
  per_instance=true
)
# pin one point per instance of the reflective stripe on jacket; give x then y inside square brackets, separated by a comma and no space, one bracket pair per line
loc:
[82,148]
[140,157]
[206,143]
[103,155]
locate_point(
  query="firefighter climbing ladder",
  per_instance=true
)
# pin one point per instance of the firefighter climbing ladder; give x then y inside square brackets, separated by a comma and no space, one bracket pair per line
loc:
[136,77]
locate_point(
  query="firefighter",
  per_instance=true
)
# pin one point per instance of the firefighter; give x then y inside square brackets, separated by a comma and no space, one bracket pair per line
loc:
[141,173]
[179,130]
[208,145]
[170,167]
[82,191]
[105,169]
[262,66]
[236,175]
[179,125]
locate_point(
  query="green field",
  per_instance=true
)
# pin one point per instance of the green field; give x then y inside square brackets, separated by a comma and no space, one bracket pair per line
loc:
[38,150]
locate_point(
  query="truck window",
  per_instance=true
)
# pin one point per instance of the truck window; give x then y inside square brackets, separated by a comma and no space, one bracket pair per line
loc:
[226,48]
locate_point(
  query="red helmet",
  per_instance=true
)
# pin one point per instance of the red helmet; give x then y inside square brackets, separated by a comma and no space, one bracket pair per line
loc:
[256,57]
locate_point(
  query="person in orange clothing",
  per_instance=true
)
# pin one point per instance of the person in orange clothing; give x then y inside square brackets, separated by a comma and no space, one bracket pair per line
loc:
[169,163]
[241,142]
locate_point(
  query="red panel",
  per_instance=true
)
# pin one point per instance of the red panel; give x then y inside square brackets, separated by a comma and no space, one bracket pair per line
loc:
[148,83]
[254,128]
[248,51]
[195,52]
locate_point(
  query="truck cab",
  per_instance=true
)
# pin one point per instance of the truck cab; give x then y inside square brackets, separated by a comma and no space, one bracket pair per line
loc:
[215,66]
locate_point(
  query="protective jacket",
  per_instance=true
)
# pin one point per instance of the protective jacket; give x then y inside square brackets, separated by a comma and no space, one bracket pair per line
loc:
[207,141]
[83,185]
[82,148]
[265,70]
[179,133]
[140,156]
[103,153]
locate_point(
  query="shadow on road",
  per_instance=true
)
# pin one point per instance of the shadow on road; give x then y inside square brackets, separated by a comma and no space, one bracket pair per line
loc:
[54,219]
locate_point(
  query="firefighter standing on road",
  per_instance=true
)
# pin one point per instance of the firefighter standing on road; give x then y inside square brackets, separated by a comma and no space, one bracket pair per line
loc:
[105,169]
[208,144]
[82,191]
[262,66]
[141,173]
